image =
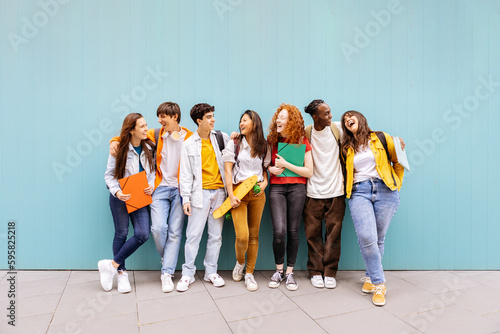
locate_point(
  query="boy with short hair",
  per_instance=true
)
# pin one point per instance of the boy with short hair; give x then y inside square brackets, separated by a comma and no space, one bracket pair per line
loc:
[202,190]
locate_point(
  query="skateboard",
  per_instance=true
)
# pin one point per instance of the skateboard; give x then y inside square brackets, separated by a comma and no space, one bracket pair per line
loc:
[239,192]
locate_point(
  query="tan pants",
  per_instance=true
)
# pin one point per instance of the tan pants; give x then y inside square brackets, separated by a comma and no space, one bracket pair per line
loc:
[246,219]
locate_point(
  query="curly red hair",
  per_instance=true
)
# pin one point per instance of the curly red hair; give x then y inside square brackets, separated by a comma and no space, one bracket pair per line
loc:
[295,129]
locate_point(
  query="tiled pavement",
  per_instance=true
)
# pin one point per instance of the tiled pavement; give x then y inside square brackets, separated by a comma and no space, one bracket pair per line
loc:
[417,301]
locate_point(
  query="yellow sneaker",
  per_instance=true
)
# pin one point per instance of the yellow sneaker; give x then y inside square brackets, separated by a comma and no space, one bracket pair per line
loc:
[379,295]
[368,287]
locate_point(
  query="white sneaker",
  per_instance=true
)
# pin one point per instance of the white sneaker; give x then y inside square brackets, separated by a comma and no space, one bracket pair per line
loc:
[215,279]
[330,282]
[238,271]
[184,283]
[123,282]
[250,282]
[166,282]
[108,273]
[317,281]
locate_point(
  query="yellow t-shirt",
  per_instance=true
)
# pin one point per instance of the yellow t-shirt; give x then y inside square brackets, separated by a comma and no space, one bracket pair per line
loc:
[209,167]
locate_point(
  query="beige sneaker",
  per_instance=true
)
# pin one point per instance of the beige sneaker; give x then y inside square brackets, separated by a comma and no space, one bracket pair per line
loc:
[238,272]
[368,286]
[250,282]
[378,297]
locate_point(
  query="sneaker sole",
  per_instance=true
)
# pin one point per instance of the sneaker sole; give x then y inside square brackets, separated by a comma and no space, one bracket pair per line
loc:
[101,267]
[378,304]
[124,291]
[237,279]
[366,291]
[167,290]
[252,289]
[330,287]
[183,290]
[292,288]
[218,285]
[273,285]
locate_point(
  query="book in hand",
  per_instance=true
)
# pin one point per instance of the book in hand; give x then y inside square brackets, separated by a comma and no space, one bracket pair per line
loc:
[401,155]
[135,185]
[294,154]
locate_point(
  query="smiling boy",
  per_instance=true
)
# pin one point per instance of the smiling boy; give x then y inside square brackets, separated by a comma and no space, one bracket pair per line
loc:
[325,197]
[202,189]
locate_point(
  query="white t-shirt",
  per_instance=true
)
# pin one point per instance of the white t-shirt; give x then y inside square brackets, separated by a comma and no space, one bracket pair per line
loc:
[364,165]
[170,156]
[327,180]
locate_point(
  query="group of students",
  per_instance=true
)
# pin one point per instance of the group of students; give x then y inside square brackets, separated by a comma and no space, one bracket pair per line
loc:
[195,172]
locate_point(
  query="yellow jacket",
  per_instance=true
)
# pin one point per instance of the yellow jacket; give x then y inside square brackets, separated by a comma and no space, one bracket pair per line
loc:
[385,170]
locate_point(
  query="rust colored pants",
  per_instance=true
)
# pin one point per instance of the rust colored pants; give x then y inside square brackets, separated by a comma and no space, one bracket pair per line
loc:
[323,258]
[246,219]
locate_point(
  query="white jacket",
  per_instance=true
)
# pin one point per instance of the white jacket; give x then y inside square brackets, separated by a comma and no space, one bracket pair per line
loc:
[131,168]
[190,176]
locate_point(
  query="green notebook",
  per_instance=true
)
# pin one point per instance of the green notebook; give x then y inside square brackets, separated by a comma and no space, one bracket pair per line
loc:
[294,154]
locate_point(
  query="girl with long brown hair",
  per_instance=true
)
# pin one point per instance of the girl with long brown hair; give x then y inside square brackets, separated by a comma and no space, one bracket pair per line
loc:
[134,155]
[372,186]
[287,194]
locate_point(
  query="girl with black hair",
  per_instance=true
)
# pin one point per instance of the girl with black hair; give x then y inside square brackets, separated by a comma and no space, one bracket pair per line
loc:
[243,157]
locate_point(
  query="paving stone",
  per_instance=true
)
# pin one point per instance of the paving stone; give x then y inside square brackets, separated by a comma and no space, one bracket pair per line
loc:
[174,307]
[293,321]
[372,320]
[212,322]
[263,302]
[123,324]
[330,302]
[37,324]
[451,319]
[441,281]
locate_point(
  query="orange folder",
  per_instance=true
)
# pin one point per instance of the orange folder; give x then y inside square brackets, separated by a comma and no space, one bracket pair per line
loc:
[135,185]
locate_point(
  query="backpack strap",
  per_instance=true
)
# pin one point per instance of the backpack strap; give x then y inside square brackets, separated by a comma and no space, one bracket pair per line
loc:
[336,132]
[308,132]
[220,140]
[382,139]
[236,148]
[157,136]
[333,127]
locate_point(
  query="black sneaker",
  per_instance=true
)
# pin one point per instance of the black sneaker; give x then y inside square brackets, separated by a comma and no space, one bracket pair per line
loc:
[276,279]
[290,282]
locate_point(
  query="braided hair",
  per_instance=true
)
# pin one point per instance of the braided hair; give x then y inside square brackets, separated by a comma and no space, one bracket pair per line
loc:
[312,108]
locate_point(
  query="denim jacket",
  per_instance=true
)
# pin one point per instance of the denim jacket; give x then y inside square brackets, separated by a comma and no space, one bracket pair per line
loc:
[190,176]
[131,168]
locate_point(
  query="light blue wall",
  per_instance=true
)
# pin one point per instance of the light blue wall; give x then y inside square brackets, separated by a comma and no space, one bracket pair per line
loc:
[419,74]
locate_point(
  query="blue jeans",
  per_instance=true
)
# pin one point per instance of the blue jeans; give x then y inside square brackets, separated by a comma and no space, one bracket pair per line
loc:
[167,222]
[372,207]
[212,199]
[123,248]
[286,202]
